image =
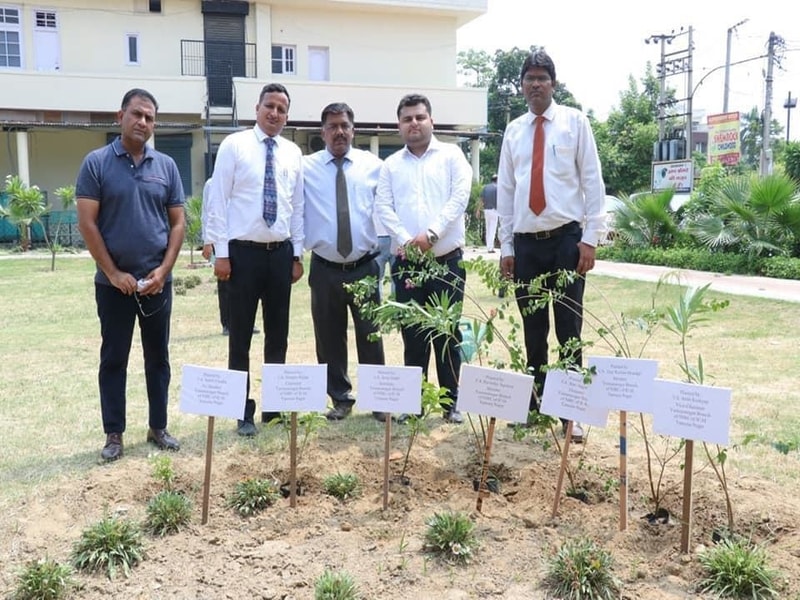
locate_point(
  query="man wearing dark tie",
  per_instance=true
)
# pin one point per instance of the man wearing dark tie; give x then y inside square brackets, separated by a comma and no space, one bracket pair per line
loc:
[255,222]
[339,187]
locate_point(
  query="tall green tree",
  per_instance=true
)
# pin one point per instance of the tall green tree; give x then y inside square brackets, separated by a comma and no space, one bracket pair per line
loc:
[625,141]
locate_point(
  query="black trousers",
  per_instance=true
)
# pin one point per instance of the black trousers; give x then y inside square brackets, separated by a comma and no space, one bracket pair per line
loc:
[258,274]
[117,313]
[417,341]
[330,302]
[533,258]
[223,301]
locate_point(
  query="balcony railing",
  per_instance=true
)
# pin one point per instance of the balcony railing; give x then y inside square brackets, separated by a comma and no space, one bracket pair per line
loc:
[206,58]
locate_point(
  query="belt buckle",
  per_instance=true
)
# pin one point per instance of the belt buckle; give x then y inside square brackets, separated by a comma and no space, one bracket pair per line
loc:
[541,235]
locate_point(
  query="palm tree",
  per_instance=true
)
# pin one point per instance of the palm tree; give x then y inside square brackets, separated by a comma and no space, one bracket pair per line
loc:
[751,215]
[646,220]
[26,206]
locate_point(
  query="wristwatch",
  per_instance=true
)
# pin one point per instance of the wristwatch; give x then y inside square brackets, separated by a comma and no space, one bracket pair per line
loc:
[433,237]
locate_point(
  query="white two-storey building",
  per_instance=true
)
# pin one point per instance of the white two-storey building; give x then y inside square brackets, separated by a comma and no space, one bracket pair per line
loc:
[65,65]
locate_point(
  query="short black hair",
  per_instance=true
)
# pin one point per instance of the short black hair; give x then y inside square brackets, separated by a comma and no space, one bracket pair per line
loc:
[337,108]
[413,100]
[138,93]
[538,58]
[274,88]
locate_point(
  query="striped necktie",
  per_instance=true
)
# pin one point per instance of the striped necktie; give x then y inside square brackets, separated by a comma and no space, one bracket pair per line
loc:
[270,208]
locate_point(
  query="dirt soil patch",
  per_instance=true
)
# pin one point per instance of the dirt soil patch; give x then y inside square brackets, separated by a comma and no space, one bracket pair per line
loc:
[279,553]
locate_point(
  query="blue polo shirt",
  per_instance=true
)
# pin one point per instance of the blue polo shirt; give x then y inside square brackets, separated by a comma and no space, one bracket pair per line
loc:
[133,218]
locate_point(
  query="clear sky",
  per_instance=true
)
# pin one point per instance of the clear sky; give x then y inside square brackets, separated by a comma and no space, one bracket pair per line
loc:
[596,46]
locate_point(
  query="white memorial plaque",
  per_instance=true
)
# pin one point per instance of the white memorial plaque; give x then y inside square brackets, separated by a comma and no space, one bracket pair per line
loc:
[493,393]
[566,396]
[294,388]
[213,392]
[692,412]
[390,389]
[623,383]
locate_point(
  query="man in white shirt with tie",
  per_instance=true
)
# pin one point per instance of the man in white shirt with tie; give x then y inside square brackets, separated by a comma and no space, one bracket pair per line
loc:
[255,223]
[554,221]
[422,195]
[339,184]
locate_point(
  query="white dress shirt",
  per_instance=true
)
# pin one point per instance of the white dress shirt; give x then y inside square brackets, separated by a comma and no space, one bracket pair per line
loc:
[426,192]
[237,192]
[361,170]
[204,211]
[573,180]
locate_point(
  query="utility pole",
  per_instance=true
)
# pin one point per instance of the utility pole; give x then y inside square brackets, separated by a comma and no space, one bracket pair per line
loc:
[766,151]
[731,29]
[674,63]
[662,39]
[789,105]
[689,120]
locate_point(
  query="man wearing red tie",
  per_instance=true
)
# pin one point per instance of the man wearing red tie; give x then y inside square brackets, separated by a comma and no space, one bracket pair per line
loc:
[550,195]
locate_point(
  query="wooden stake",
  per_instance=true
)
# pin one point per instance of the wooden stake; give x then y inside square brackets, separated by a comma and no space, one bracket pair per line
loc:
[387,448]
[207,482]
[563,468]
[688,467]
[293,462]
[623,470]
[482,487]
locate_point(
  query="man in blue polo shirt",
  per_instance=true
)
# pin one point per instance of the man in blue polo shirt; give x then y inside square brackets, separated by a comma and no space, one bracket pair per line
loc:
[130,214]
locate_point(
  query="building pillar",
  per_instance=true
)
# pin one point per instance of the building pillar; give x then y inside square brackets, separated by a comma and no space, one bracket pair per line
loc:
[374,145]
[475,152]
[23,159]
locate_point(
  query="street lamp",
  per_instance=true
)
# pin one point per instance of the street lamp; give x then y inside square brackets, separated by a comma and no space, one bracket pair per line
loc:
[789,105]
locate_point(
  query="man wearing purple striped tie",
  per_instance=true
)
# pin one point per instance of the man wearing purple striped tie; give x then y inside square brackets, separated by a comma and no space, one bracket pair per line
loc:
[255,222]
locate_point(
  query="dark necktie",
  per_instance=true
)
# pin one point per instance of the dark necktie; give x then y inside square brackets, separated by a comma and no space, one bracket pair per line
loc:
[536,199]
[270,208]
[344,240]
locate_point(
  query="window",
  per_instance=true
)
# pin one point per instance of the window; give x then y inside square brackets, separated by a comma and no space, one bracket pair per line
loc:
[132,48]
[283,60]
[10,38]
[155,6]
[45,19]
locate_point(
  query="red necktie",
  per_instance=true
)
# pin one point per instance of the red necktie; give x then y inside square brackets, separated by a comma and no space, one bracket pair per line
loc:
[536,198]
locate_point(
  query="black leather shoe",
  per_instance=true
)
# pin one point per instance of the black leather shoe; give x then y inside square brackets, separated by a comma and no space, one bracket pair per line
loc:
[453,416]
[246,427]
[113,448]
[379,416]
[337,413]
[162,439]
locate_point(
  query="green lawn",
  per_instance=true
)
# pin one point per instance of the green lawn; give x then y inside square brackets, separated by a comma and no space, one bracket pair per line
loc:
[50,416]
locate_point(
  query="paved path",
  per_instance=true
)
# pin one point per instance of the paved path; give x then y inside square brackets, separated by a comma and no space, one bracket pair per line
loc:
[742,285]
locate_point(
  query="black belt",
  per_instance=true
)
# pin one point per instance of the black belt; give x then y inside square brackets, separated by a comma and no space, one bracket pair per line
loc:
[457,253]
[546,235]
[262,245]
[348,266]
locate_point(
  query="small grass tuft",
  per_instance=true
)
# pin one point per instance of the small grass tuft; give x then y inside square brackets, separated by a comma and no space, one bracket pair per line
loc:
[43,579]
[735,568]
[335,585]
[581,570]
[253,495]
[451,536]
[108,545]
[342,486]
[168,512]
